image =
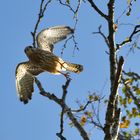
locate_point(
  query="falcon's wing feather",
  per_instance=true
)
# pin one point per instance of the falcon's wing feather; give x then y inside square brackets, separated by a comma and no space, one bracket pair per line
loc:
[48,37]
[25,80]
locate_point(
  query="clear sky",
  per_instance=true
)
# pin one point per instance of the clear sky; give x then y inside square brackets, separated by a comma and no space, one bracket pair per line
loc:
[39,119]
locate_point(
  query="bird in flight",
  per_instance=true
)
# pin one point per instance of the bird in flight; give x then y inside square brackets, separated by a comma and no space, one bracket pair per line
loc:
[42,59]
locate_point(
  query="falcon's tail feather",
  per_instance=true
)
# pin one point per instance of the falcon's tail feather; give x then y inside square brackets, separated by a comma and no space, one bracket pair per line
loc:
[76,68]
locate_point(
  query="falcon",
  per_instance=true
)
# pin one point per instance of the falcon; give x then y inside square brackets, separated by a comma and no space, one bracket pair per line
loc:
[49,62]
[48,37]
[42,59]
[25,73]
[39,61]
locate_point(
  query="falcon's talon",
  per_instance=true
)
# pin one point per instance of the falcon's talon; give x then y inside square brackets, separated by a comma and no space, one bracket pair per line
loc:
[67,75]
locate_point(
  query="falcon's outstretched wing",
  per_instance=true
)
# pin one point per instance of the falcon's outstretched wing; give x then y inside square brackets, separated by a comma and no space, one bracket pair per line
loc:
[25,73]
[48,37]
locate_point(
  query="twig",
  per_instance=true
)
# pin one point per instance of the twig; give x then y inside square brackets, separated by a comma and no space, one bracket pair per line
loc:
[40,16]
[69,6]
[102,34]
[65,44]
[83,108]
[134,75]
[127,10]
[129,39]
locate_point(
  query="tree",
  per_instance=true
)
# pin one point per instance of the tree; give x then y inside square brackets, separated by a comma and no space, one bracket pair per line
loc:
[121,98]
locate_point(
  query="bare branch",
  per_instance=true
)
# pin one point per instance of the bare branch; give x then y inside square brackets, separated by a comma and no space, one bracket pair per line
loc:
[67,110]
[40,16]
[129,39]
[69,6]
[93,5]
[64,87]
[134,75]
[102,34]
[60,134]
[127,10]
[83,108]
[83,133]
[112,107]
[98,125]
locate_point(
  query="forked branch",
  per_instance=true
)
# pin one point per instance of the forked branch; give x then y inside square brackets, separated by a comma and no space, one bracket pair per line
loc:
[64,106]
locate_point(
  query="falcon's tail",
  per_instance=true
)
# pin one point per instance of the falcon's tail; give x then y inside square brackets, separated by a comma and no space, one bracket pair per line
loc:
[76,68]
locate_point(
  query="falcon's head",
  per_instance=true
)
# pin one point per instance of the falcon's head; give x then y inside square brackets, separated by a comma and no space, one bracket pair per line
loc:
[29,50]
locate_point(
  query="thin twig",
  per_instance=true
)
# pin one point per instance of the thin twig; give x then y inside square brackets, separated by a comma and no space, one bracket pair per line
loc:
[83,108]
[129,39]
[40,16]
[69,6]
[102,34]
[125,11]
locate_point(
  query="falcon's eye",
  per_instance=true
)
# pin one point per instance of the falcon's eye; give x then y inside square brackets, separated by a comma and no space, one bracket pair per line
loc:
[30,47]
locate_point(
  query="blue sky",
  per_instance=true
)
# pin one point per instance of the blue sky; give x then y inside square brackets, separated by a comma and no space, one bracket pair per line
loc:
[40,118]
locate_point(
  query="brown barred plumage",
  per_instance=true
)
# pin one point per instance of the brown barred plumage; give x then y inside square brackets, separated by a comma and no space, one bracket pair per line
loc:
[50,62]
[25,73]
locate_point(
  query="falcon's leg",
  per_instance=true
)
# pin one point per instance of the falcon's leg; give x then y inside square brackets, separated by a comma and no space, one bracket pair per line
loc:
[67,75]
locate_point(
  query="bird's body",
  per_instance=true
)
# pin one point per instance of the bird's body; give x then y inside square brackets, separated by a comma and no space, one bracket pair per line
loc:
[50,62]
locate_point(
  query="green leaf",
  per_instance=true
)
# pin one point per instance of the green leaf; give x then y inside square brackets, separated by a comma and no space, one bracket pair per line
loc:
[124,89]
[130,100]
[137,131]
[127,135]
[128,112]
[130,115]
[128,13]
[128,2]
[68,2]
[138,91]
